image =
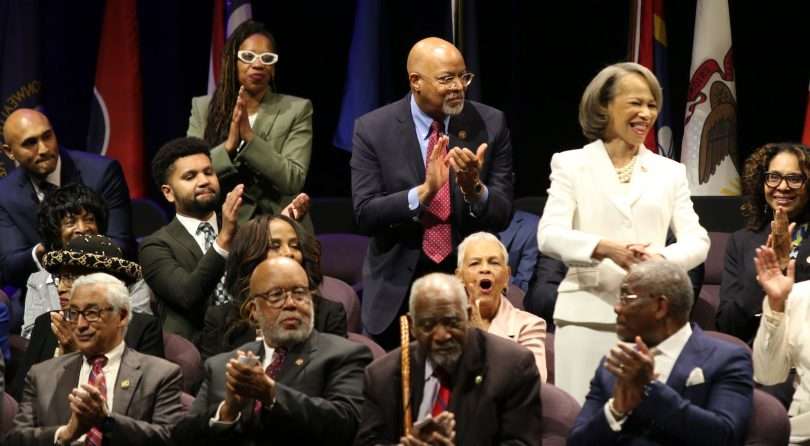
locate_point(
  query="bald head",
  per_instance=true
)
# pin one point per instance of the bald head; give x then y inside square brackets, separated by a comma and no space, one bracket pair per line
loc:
[269,275]
[435,68]
[427,52]
[30,141]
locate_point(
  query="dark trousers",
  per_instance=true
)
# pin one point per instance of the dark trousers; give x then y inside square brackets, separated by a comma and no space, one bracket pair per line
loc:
[389,339]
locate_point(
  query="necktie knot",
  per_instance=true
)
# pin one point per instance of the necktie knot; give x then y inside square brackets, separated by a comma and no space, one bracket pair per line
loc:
[436,127]
[279,355]
[205,228]
[97,362]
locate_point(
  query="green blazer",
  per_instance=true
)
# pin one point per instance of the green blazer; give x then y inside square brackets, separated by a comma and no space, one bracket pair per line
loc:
[273,167]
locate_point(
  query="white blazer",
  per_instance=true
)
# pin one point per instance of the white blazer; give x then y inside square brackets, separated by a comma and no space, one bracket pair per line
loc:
[586,203]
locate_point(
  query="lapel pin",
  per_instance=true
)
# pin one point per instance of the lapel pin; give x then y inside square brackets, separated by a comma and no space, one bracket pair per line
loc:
[462,134]
[299,361]
[478,380]
[125,384]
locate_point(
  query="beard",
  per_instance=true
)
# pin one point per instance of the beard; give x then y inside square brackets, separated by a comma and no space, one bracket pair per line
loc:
[202,207]
[448,358]
[453,110]
[283,337]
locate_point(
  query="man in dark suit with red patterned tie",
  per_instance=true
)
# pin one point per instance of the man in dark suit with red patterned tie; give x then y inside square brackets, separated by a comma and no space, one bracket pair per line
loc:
[427,171]
[466,386]
[295,386]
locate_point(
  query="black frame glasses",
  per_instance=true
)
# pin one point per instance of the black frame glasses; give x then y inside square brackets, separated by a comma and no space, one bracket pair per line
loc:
[278,297]
[92,314]
[793,180]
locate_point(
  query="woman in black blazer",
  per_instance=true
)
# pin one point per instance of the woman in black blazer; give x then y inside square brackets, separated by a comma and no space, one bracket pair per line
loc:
[775,176]
[228,326]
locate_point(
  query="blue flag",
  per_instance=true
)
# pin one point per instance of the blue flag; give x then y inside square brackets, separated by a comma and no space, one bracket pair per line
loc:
[20,81]
[362,90]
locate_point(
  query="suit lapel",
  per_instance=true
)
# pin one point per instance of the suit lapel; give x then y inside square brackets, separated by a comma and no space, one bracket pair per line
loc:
[604,175]
[407,134]
[65,383]
[267,116]
[694,353]
[184,239]
[129,378]
[297,360]
[468,381]
[641,176]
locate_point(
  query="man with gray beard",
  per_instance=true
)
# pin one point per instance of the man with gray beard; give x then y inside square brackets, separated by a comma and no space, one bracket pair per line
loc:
[427,171]
[467,386]
[295,386]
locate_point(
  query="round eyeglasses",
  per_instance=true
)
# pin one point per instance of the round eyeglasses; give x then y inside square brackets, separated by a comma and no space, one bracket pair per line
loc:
[249,57]
[278,297]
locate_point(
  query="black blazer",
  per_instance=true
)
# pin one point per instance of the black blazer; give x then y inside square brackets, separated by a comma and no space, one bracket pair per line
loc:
[495,396]
[182,278]
[330,317]
[740,294]
[318,396]
[143,334]
[386,163]
[19,207]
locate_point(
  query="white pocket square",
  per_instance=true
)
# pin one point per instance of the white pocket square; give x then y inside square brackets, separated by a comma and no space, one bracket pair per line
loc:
[695,377]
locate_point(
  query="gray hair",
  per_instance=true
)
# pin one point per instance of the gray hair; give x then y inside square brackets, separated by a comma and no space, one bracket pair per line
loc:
[436,284]
[593,114]
[662,277]
[117,292]
[477,237]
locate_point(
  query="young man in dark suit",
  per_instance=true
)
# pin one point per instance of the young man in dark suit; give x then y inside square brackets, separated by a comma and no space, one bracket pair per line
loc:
[183,262]
[295,386]
[42,166]
[427,171]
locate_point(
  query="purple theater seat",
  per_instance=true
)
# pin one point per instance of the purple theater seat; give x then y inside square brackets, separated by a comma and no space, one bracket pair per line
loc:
[704,311]
[560,410]
[769,424]
[342,257]
[376,350]
[182,352]
[728,338]
[549,343]
[18,346]
[339,291]
[9,412]
[515,296]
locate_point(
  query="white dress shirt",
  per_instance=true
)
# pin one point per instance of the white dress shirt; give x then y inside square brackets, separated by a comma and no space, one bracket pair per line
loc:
[430,392]
[665,354]
[192,224]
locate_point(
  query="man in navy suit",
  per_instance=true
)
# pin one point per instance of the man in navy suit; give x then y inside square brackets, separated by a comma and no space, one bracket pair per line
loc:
[31,142]
[676,385]
[520,239]
[418,215]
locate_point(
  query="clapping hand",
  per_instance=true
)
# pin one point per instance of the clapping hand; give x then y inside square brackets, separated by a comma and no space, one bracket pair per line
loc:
[777,285]
[780,238]
[298,208]
[467,166]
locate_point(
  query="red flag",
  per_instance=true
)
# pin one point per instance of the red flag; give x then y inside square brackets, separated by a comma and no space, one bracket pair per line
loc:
[118,91]
[806,135]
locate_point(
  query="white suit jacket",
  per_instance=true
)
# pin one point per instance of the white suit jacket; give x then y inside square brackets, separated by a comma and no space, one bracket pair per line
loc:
[586,204]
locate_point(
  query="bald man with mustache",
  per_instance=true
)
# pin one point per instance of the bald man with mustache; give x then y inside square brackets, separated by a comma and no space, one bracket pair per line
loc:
[427,171]
[30,141]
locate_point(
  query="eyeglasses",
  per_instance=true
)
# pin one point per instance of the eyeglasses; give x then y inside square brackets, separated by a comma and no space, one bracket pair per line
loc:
[793,180]
[627,298]
[90,314]
[447,80]
[249,57]
[64,278]
[278,297]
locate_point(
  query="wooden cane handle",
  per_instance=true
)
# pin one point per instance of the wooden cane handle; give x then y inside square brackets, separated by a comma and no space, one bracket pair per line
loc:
[404,337]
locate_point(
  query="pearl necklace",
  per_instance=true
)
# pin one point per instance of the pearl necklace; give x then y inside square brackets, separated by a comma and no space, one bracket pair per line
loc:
[626,172]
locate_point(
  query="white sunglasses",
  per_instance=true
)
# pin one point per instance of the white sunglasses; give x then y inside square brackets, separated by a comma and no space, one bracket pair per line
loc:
[249,57]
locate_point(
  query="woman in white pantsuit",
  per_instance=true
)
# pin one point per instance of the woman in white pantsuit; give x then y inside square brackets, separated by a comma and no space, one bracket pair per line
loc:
[609,205]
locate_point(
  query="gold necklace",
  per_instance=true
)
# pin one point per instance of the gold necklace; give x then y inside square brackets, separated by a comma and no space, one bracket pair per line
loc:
[626,172]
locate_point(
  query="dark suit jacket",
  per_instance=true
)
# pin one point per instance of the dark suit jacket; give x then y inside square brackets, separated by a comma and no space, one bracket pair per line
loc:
[520,240]
[712,413]
[318,397]
[143,334]
[145,406]
[330,317]
[386,163]
[503,407]
[182,278]
[740,294]
[19,207]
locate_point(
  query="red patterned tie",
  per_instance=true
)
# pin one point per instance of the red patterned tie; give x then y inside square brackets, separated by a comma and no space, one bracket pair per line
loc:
[94,436]
[272,371]
[443,398]
[437,241]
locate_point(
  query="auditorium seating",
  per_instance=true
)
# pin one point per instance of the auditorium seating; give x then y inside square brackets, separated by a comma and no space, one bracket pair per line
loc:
[182,352]
[339,291]
[515,296]
[708,301]
[147,217]
[560,410]
[376,350]
[9,411]
[342,257]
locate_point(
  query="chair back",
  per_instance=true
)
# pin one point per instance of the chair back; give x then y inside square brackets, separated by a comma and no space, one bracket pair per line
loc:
[342,257]
[9,412]
[728,338]
[182,352]
[515,296]
[704,311]
[147,217]
[560,410]
[375,348]
[339,291]
[549,344]
[769,424]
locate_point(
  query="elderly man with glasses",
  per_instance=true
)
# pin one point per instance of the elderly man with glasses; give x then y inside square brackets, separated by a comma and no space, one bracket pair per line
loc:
[104,392]
[666,382]
[294,386]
